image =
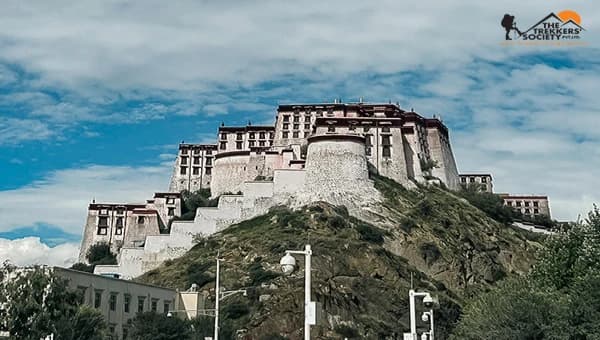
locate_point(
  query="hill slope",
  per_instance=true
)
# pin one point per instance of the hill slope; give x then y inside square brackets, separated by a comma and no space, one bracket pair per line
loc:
[361,270]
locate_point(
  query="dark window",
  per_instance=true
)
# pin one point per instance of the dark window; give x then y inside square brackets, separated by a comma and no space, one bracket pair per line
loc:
[184,160]
[140,304]
[111,329]
[284,134]
[271,135]
[526,204]
[238,145]
[141,220]
[97,299]
[295,134]
[196,151]
[184,151]
[385,129]
[286,118]
[368,140]
[209,161]
[183,170]
[535,204]
[296,126]
[261,143]
[166,307]
[352,127]
[385,140]
[329,112]
[119,226]
[252,136]
[171,211]
[296,119]
[306,126]
[126,302]
[208,171]
[154,305]
[209,152]
[463,179]
[368,151]
[483,179]
[261,135]
[536,211]
[112,303]
[286,126]
[195,170]
[518,203]
[240,136]
[387,151]
[223,136]
[319,113]
[222,145]
[125,332]
[103,221]
[527,211]
[196,160]
[251,143]
[331,128]
[471,179]
[120,211]
[366,128]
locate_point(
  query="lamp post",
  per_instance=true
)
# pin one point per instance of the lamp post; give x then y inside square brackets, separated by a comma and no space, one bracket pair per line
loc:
[288,264]
[429,302]
[221,295]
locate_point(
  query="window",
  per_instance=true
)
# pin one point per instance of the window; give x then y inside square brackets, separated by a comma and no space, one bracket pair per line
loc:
[222,146]
[483,179]
[126,302]
[306,126]
[271,135]
[141,219]
[368,151]
[184,160]
[208,171]
[286,126]
[527,211]
[366,128]
[385,129]
[385,140]
[286,118]
[170,200]
[154,305]
[102,230]
[284,134]
[296,119]
[125,332]
[120,211]
[196,160]
[526,204]
[368,140]
[518,203]
[103,221]
[319,113]
[171,211]
[471,179]
[387,151]
[97,298]
[238,145]
[112,303]
[141,304]
[223,136]
[184,151]
[252,135]
[111,329]
[331,128]
[119,225]
[261,135]
[261,143]
[196,151]
[183,170]
[463,179]
[209,152]
[251,143]
[535,204]
[329,113]
[209,161]
[239,136]
[352,127]
[166,307]
[296,126]
[536,211]
[103,212]
[295,134]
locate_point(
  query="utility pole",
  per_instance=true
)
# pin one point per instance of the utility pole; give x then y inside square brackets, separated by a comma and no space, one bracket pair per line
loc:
[217,298]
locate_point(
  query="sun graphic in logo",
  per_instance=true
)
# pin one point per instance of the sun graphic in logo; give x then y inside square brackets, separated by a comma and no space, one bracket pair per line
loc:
[568,14]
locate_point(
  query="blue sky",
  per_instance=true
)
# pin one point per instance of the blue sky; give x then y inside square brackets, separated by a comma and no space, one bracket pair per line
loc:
[95,97]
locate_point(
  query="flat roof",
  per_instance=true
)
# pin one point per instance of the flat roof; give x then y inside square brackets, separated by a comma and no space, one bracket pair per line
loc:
[111,278]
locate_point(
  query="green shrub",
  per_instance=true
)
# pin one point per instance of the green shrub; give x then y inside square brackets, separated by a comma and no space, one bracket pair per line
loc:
[235,310]
[336,222]
[82,267]
[196,273]
[258,275]
[273,336]
[491,204]
[408,223]
[430,252]
[347,331]
[369,233]
[100,253]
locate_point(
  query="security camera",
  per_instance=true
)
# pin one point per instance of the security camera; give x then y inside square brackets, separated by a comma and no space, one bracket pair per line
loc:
[288,264]
[245,293]
[425,317]
[428,301]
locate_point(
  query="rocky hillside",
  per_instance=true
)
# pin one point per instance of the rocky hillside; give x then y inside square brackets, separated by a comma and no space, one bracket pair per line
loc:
[362,268]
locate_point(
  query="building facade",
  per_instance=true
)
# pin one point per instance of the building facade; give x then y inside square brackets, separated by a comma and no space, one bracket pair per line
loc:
[482,181]
[528,205]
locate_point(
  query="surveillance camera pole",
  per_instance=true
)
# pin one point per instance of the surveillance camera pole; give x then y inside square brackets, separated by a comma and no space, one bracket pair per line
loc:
[413,317]
[308,305]
[217,298]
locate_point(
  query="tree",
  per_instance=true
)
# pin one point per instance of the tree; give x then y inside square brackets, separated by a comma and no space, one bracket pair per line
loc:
[100,253]
[35,302]
[491,204]
[88,323]
[153,326]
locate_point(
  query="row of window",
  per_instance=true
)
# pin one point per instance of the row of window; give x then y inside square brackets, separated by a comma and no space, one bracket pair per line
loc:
[286,126]
[472,179]
[184,160]
[194,151]
[113,299]
[240,145]
[527,211]
[195,170]
[251,135]
[522,203]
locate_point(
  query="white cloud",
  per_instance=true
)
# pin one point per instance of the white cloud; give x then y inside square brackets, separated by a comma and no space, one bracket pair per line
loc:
[30,250]
[61,198]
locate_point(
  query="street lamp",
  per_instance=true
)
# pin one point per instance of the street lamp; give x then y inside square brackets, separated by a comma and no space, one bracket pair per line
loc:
[428,302]
[221,295]
[288,264]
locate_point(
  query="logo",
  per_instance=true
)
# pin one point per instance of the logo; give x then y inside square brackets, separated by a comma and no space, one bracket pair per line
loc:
[563,28]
